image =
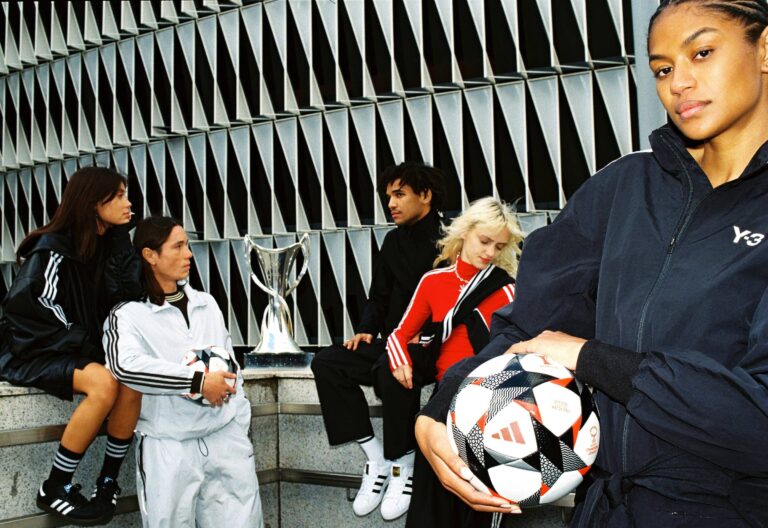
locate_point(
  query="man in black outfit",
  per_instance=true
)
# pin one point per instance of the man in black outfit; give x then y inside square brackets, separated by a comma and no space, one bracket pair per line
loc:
[415,191]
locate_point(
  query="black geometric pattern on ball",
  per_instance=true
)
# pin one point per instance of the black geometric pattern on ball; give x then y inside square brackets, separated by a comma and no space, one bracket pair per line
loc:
[571,461]
[549,444]
[475,442]
[550,472]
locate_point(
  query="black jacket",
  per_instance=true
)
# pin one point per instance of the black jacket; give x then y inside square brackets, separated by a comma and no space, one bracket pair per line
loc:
[670,279]
[57,304]
[406,254]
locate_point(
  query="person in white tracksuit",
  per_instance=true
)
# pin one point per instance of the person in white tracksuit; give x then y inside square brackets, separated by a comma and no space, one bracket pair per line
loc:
[195,464]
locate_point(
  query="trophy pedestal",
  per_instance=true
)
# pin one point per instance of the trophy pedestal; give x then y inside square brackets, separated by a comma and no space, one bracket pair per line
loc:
[260,360]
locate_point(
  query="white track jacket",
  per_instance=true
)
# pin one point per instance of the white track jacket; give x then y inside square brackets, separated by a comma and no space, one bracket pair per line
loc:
[144,346]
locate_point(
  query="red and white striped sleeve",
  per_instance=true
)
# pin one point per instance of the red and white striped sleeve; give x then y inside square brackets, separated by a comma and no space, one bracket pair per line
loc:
[416,314]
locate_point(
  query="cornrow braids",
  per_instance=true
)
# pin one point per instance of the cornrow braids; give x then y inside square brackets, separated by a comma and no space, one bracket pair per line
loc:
[752,14]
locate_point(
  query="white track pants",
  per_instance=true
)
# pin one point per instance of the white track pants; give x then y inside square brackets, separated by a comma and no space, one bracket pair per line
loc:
[199,483]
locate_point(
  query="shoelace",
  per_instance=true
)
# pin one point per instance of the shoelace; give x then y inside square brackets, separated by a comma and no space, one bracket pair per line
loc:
[72,493]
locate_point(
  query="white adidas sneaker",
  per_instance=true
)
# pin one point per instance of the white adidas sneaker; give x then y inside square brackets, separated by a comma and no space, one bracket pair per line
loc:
[398,495]
[375,477]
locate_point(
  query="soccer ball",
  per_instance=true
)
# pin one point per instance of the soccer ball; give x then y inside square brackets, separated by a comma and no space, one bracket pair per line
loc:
[525,427]
[209,359]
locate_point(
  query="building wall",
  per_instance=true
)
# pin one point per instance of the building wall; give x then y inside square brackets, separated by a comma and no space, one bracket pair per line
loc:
[273,118]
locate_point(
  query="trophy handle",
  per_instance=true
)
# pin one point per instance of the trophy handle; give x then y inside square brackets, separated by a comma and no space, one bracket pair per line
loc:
[304,241]
[249,245]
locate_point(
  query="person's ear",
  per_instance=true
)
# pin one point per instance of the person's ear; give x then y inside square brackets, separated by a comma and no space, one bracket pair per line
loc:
[426,197]
[149,255]
[763,43]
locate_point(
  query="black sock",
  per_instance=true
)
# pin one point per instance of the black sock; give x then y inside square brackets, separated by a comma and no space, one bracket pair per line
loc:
[64,466]
[114,456]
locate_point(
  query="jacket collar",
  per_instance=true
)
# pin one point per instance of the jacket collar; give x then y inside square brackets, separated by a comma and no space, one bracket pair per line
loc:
[427,228]
[194,299]
[669,149]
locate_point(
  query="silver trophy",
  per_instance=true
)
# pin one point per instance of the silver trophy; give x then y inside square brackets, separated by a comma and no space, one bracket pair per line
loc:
[276,266]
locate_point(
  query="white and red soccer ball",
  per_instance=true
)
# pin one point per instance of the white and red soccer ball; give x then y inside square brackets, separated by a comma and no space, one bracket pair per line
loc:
[209,359]
[527,429]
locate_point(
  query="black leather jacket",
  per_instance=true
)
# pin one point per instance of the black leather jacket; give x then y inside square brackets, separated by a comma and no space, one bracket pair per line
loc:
[57,304]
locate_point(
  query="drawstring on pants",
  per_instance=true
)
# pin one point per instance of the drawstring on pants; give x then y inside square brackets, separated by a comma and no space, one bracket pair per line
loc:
[200,445]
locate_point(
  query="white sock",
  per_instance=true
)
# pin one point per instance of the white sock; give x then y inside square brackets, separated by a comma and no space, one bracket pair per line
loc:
[406,459]
[372,448]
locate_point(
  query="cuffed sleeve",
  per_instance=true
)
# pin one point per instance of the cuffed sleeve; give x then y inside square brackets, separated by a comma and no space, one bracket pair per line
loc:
[608,368]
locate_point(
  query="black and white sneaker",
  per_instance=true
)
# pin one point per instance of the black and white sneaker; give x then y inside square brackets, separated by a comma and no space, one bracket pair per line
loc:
[105,497]
[67,502]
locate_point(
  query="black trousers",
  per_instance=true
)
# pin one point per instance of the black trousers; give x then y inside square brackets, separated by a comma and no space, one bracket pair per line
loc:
[340,372]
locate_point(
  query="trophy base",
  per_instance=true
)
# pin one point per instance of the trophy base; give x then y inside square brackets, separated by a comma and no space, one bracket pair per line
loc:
[257,360]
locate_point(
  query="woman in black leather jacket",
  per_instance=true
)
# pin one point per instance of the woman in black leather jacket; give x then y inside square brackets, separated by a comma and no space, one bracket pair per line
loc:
[73,270]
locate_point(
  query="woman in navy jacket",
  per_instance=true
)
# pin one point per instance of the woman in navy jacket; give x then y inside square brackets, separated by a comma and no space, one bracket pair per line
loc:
[652,285]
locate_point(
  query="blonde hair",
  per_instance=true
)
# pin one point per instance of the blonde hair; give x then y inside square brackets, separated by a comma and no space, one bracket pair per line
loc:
[488,212]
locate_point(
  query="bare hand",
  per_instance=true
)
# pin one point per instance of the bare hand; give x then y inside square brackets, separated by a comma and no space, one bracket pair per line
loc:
[216,389]
[351,344]
[404,374]
[415,340]
[557,346]
[452,471]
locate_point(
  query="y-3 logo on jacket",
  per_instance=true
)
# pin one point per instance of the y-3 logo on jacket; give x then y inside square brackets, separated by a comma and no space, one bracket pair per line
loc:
[747,236]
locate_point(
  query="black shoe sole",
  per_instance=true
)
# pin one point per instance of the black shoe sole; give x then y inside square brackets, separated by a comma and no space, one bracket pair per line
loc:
[71,520]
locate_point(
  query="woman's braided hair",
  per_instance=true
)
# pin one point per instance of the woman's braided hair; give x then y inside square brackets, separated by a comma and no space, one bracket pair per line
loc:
[752,14]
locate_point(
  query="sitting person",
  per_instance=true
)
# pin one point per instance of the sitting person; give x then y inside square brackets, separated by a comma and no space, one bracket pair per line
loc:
[456,303]
[196,466]
[415,193]
[74,269]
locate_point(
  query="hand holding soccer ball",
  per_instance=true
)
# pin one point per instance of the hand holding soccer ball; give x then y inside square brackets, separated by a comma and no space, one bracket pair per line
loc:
[220,374]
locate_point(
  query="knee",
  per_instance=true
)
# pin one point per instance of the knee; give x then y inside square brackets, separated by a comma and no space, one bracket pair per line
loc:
[102,388]
[320,363]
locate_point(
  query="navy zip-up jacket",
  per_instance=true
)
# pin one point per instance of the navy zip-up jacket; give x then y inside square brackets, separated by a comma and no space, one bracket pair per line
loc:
[668,278]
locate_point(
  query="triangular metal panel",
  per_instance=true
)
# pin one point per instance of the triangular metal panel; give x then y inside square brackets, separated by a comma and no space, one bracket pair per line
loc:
[360,241]
[391,114]
[202,258]
[578,91]
[287,130]
[91,31]
[420,114]
[264,136]
[109,26]
[42,47]
[480,103]
[544,93]
[512,102]
[445,10]
[334,242]
[617,13]
[614,86]
[450,112]
[128,19]
[74,32]
[147,15]
[37,144]
[26,48]
[241,145]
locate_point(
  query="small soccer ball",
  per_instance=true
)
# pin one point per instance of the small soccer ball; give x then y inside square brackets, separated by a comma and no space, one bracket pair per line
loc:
[209,359]
[526,428]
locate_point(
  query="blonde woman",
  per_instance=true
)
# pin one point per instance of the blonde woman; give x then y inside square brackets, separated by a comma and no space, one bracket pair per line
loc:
[451,311]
